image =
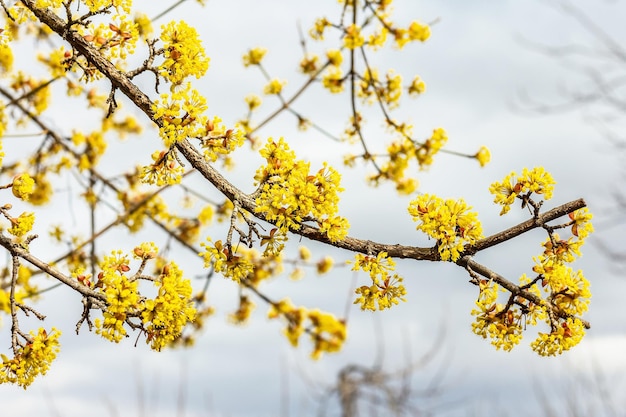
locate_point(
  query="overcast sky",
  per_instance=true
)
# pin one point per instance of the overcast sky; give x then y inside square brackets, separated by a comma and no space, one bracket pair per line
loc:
[475,67]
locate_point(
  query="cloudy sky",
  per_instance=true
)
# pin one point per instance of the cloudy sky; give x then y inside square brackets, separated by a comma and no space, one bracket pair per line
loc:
[476,68]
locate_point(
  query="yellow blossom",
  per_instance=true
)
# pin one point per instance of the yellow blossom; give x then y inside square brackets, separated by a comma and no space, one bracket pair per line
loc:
[184,54]
[418,31]
[417,86]
[353,37]
[253,102]
[483,156]
[254,56]
[275,86]
[22,224]
[325,265]
[31,360]
[450,222]
[335,57]
[304,253]
[23,186]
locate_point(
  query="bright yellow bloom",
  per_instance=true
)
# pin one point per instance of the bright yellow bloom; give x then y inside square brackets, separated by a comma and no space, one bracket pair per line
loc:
[537,181]
[325,265]
[418,32]
[275,86]
[335,57]
[23,186]
[581,220]
[253,102]
[206,215]
[378,39]
[560,339]
[220,141]
[333,79]
[418,86]
[483,156]
[309,64]
[144,25]
[6,58]
[181,114]
[96,5]
[31,360]
[492,321]
[164,170]
[386,290]
[184,54]
[246,307]
[43,190]
[22,225]
[166,315]
[254,56]
[327,333]
[290,192]
[431,146]
[317,32]
[448,221]
[353,37]
[304,253]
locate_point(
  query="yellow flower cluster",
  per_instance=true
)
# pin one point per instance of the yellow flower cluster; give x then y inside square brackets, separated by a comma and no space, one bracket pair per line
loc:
[56,61]
[372,89]
[155,207]
[144,25]
[386,290]
[581,223]
[96,5]
[560,339]
[21,225]
[418,86]
[564,293]
[121,294]
[31,360]
[309,64]
[181,115]
[317,31]
[274,86]
[415,32]
[430,147]
[184,54]
[25,288]
[565,289]
[290,193]
[483,156]
[93,145]
[449,222]
[537,181]
[242,314]
[114,40]
[253,101]
[219,140]
[400,153]
[52,4]
[254,56]
[165,316]
[333,78]
[327,332]
[36,93]
[502,326]
[353,37]
[164,170]
[162,317]
[23,186]
[243,264]
[231,265]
